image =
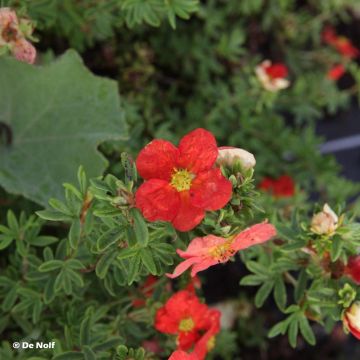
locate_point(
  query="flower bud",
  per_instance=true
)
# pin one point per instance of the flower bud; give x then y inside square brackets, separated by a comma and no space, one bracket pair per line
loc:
[228,155]
[351,319]
[352,269]
[272,76]
[324,222]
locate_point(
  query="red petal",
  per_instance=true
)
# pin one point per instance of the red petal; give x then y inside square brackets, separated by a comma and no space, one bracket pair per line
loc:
[188,216]
[157,200]
[205,264]
[354,330]
[253,235]
[183,266]
[165,322]
[187,339]
[198,151]
[210,190]
[157,160]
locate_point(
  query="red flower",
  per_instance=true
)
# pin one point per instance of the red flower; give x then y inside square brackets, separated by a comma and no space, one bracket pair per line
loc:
[342,44]
[353,268]
[336,72]
[181,183]
[185,316]
[182,355]
[277,71]
[146,289]
[283,186]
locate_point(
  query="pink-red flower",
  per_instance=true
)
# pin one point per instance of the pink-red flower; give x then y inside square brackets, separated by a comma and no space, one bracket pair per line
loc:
[342,44]
[210,250]
[336,72]
[186,317]
[283,186]
[352,269]
[13,38]
[181,183]
[272,76]
[351,319]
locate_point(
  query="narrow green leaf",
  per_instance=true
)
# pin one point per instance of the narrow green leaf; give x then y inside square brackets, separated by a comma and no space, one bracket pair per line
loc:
[263,293]
[51,265]
[43,240]
[148,261]
[306,330]
[277,329]
[134,269]
[53,215]
[301,285]
[336,247]
[85,329]
[107,239]
[88,353]
[104,263]
[74,233]
[280,293]
[140,228]
[293,332]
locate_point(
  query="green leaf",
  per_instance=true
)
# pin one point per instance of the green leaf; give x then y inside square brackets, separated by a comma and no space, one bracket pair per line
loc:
[58,114]
[293,331]
[51,265]
[301,285]
[43,240]
[103,264]
[85,329]
[74,233]
[134,269]
[53,215]
[140,228]
[148,261]
[88,353]
[306,330]
[336,247]
[277,329]
[280,293]
[263,293]
[107,239]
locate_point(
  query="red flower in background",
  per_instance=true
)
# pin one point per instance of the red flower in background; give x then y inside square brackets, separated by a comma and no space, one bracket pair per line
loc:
[146,289]
[277,71]
[353,268]
[283,186]
[185,316]
[181,183]
[336,72]
[342,44]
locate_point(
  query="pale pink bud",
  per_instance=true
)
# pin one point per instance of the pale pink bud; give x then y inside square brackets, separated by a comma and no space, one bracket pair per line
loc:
[324,222]
[351,319]
[227,155]
[24,51]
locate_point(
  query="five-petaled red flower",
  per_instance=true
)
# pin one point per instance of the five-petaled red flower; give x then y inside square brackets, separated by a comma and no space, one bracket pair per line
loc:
[283,186]
[182,182]
[185,316]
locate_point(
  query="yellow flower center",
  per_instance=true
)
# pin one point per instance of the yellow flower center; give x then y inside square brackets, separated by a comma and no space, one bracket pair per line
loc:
[211,343]
[181,179]
[186,324]
[222,252]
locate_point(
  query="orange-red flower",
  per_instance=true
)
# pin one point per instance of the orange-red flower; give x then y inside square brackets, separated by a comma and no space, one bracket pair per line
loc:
[210,250]
[283,186]
[185,316]
[336,72]
[181,183]
[342,44]
[352,268]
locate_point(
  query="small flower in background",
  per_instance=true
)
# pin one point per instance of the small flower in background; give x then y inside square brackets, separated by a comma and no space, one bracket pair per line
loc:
[272,76]
[324,222]
[181,183]
[146,290]
[228,155]
[185,316]
[336,72]
[342,44]
[352,269]
[13,36]
[283,186]
[210,250]
[351,319]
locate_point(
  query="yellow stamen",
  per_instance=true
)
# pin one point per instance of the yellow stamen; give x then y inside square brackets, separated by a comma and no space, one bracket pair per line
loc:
[186,324]
[211,343]
[181,179]
[222,252]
